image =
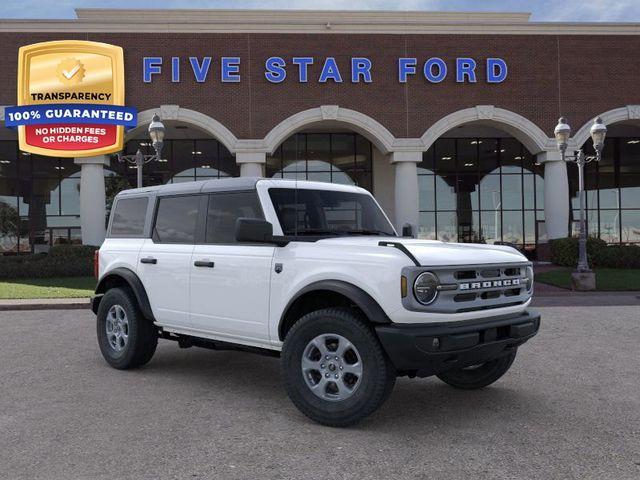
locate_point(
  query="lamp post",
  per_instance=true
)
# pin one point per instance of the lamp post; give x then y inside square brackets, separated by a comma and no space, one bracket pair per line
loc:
[156,133]
[562,133]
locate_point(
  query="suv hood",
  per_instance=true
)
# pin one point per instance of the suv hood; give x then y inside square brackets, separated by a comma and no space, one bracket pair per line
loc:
[437,253]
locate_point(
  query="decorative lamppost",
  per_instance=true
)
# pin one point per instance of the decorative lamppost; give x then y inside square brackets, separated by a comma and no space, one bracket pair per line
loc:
[598,132]
[156,133]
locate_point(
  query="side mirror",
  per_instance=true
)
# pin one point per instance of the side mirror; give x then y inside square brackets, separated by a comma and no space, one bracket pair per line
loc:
[407,231]
[254,230]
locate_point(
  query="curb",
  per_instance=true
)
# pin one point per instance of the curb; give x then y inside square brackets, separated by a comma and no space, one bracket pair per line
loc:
[45,304]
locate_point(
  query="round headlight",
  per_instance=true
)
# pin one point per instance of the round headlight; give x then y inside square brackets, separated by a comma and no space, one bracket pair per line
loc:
[529,275]
[425,288]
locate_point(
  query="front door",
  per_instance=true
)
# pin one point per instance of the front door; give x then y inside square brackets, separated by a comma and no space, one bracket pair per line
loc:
[230,280]
[164,260]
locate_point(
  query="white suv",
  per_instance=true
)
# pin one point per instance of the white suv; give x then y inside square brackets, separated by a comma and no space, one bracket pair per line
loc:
[313,273]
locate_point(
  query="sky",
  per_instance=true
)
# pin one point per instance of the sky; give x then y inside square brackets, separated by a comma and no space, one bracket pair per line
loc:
[542,10]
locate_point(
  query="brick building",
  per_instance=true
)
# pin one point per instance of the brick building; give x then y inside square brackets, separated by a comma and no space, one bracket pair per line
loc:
[447,118]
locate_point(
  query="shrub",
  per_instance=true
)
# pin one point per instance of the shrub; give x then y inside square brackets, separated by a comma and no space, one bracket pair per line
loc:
[618,256]
[61,261]
[564,252]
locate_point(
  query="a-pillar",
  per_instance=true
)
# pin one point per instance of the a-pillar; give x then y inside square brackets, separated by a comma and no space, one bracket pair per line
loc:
[406,189]
[251,163]
[556,194]
[92,199]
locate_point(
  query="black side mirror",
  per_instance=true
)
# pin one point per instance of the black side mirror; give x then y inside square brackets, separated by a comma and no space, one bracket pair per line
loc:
[407,231]
[254,230]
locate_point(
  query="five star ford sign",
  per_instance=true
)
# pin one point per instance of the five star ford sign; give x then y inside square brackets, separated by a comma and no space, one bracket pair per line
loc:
[70,99]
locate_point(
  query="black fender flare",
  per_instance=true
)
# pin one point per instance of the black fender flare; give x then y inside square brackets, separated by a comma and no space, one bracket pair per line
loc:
[365,302]
[133,281]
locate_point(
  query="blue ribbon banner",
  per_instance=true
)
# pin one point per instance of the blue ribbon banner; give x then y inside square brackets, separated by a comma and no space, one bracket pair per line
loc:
[70,113]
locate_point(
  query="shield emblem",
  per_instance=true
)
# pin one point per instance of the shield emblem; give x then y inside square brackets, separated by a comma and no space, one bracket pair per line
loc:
[70,73]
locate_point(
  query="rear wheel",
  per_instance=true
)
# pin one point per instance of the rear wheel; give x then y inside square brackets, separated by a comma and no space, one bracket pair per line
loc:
[126,338]
[335,370]
[478,376]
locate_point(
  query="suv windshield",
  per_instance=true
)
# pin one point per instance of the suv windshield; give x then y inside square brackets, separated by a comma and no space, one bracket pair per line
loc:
[328,213]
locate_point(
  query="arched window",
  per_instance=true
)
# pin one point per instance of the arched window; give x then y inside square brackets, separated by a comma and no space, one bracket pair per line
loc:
[483,190]
[326,157]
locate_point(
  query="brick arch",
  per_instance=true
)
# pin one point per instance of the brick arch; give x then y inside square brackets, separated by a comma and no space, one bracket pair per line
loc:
[192,117]
[374,131]
[527,132]
[616,115]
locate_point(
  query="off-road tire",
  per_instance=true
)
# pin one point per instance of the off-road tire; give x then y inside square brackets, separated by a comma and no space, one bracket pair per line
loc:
[481,376]
[378,374]
[142,334]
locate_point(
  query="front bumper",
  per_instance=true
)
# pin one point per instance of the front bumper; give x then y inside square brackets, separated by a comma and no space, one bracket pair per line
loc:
[428,349]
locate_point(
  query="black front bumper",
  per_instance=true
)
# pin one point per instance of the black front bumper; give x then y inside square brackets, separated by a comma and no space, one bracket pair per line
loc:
[428,349]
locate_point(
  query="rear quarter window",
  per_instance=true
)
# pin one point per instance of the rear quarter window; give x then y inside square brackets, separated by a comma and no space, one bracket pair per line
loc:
[128,217]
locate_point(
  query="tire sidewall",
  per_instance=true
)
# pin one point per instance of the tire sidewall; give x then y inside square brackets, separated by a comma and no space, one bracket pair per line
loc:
[374,365]
[119,296]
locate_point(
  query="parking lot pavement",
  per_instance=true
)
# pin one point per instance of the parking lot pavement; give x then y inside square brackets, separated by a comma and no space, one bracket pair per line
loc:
[569,408]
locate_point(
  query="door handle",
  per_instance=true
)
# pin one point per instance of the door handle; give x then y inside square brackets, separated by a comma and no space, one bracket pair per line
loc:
[204,263]
[149,260]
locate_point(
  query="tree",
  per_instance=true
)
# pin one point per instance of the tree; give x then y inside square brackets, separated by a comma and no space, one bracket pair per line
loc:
[113,185]
[9,221]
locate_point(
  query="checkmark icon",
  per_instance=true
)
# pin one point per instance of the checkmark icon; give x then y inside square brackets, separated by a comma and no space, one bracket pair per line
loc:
[71,73]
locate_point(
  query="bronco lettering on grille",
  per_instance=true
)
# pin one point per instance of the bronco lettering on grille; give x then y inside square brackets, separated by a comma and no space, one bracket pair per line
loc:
[491,284]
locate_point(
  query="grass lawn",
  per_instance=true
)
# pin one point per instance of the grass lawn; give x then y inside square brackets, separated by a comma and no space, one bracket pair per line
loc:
[606,278]
[70,287]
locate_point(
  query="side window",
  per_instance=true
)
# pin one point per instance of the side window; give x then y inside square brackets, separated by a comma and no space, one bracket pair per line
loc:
[224,209]
[176,219]
[128,217]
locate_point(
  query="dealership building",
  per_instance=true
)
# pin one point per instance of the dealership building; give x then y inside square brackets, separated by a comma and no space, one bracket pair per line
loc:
[447,118]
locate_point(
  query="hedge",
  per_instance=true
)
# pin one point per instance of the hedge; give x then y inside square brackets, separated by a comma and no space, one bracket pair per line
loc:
[564,252]
[61,261]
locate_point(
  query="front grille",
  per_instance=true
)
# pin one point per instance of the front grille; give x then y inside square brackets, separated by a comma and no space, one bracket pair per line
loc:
[464,289]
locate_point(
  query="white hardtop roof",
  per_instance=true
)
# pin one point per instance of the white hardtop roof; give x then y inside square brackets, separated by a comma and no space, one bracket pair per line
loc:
[235,184]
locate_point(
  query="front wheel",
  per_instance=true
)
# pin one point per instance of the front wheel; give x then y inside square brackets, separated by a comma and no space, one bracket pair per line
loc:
[335,370]
[478,376]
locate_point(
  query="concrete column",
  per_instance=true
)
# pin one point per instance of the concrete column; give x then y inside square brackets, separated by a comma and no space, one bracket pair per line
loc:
[251,163]
[556,194]
[406,189]
[92,199]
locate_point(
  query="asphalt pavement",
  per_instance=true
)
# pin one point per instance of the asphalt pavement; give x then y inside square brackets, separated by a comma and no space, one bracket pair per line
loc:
[568,408]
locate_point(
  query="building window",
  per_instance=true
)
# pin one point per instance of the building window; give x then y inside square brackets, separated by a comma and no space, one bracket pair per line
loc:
[612,191]
[325,157]
[182,161]
[483,190]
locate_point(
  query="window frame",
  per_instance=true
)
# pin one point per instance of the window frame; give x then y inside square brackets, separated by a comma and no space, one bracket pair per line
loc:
[202,240]
[198,227]
[143,234]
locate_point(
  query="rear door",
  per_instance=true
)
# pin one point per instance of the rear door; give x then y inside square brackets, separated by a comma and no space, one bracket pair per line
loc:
[164,260]
[230,280]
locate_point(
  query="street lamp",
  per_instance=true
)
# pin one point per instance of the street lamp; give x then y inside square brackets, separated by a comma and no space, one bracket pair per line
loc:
[562,133]
[156,133]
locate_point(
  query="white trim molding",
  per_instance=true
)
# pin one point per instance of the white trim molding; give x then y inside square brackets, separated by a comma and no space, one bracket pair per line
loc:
[373,130]
[531,136]
[622,114]
[192,117]
[199,21]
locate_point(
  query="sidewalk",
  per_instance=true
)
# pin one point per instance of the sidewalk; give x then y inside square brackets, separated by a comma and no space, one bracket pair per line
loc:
[45,304]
